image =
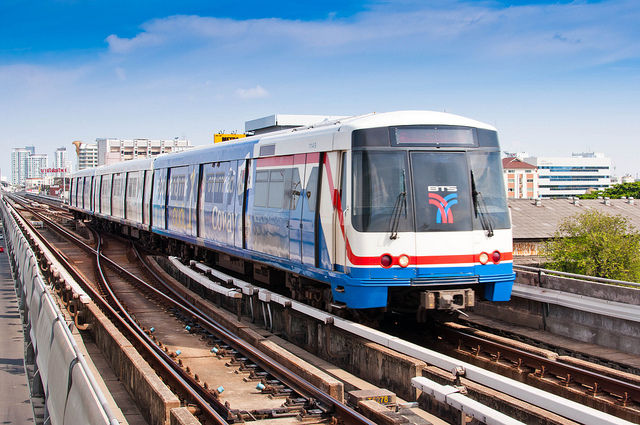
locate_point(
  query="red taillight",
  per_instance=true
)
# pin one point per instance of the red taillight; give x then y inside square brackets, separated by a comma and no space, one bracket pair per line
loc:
[386,261]
[495,257]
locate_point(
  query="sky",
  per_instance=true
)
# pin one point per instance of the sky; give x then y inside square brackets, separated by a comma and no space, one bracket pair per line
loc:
[554,77]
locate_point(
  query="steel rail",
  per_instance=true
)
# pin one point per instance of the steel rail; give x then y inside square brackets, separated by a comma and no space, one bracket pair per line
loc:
[623,391]
[292,380]
[348,415]
[136,336]
[200,395]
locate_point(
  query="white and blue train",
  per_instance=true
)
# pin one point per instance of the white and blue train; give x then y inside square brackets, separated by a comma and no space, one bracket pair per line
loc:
[404,211]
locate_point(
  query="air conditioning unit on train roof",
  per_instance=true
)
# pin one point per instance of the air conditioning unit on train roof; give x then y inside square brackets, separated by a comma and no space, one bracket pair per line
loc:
[279,122]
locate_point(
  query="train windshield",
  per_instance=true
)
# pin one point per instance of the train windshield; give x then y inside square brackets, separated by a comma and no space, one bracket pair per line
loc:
[399,191]
[380,196]
[489,196]
[442,187]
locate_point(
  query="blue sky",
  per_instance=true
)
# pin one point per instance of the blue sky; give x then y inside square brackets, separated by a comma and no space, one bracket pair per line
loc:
[553,77]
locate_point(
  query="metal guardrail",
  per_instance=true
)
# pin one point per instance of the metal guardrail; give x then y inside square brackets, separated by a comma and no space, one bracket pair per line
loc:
[577,276]
[72,394]
[578,302]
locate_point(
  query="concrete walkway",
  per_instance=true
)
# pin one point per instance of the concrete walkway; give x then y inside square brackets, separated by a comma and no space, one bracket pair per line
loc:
[15,400]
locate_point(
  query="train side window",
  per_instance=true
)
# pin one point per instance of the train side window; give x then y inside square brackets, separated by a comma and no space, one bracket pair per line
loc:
[312,189]
[261,189]
[276,189]
[218,188]
[208,188]
[132,187]
[230,183]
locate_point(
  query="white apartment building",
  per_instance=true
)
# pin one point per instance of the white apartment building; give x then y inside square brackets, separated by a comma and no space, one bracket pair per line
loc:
[87,154]
[111,151]
[19,165]
[25,163]
[35,164]
[61,162]
[560,177]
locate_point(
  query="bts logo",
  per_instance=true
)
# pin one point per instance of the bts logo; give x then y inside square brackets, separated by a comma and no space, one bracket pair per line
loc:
[444,204]
[442,188]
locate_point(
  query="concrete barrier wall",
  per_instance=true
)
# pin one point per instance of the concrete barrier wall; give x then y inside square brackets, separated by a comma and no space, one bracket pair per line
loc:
[603,291]
[71,395]
[586,326]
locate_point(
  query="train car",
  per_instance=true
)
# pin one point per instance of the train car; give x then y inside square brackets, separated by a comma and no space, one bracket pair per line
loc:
[81,190]
[122,194]
[404,211]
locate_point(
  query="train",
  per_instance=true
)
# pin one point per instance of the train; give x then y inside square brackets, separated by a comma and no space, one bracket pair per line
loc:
[401,211]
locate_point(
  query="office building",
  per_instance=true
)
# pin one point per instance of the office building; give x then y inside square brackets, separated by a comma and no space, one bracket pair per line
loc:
[561,177]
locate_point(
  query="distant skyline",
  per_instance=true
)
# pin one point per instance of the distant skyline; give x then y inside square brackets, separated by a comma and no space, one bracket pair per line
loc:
[553,77]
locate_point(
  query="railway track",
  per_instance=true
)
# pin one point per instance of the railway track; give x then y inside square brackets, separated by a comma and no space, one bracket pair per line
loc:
[593,385]
[606,391]
[278,392]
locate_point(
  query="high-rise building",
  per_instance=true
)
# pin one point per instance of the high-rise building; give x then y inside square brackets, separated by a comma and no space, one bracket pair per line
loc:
[19,165]
[27,164]
[36,163]
[61,162]
[561,177]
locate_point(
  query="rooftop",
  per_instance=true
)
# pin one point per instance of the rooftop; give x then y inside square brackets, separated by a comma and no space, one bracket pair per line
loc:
[516,163]
[539,219]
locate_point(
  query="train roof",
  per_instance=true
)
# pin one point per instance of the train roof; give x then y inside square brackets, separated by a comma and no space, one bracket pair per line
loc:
[224,151]
[124,166]
[84,173]
[399,118]
[321,137]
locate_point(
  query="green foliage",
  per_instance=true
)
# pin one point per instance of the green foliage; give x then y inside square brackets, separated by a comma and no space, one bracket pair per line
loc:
[597,244]
[617,191]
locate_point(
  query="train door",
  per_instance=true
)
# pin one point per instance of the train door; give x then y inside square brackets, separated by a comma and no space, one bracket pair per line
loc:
[146,198]
[341,220]
[302,218]
[159,199]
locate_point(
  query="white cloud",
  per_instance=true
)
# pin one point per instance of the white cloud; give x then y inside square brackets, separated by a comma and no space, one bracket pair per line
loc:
[530,33]
[128,45]
[254,93]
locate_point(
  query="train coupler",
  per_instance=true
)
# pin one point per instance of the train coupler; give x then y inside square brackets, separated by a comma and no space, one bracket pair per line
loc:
[452,299]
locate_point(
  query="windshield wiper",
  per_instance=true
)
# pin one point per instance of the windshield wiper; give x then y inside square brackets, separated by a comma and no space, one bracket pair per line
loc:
[401,202]
[480,208]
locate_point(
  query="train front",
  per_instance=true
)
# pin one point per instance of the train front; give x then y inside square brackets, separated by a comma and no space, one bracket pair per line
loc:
[427,225]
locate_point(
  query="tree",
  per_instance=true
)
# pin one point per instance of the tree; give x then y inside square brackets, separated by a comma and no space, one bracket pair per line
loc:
[597,244]
[617,191]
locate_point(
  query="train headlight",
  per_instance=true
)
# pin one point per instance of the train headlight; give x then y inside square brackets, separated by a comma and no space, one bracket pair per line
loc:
[483,258]
[386,261]
[403,260]
[495,257]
